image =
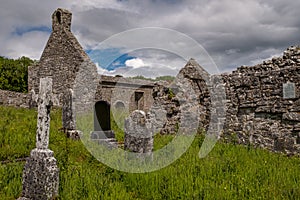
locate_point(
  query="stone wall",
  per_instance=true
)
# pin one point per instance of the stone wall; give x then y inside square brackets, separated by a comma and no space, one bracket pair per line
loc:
[10,98]
[62,57]
[132,93]
[166,98]
[258,113]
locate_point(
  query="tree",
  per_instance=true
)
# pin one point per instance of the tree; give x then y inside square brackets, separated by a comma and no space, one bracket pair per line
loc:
[14,74]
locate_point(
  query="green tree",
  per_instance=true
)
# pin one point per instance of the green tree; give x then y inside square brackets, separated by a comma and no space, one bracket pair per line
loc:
[14,74]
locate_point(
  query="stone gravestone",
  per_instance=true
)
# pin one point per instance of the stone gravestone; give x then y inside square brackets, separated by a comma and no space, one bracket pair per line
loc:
[138,136]
[41,174]
[68,116]
[102,128]
[68,111]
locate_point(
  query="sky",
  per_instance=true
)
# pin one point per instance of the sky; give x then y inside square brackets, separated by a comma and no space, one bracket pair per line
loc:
[117,37]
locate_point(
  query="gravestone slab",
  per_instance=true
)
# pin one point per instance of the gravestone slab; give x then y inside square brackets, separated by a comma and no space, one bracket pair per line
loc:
[68,111]
[138,133]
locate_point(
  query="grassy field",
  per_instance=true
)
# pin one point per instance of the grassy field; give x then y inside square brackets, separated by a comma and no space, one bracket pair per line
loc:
[228,172]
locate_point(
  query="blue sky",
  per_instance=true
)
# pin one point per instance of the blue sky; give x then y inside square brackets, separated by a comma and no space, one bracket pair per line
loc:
[233,32]
[106,58]
[19,31]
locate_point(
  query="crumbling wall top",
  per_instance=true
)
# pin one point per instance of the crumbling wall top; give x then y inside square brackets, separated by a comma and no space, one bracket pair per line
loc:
[110,80]
[61,19]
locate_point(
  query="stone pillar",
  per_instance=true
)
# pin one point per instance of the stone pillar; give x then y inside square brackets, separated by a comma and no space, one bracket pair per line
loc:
[41,174]
[138,133]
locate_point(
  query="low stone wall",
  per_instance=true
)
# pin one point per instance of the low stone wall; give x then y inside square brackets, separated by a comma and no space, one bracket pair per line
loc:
[17,99]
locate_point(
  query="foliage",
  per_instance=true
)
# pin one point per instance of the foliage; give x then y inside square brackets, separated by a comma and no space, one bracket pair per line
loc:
[165,78]
[170,93]
[160,78]
[14,74]
[228,172]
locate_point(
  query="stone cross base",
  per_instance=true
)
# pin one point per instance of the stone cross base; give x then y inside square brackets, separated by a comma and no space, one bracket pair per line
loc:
[40,175]
[73,134]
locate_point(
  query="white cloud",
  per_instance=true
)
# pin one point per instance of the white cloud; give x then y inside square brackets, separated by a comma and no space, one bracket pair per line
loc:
[86,5]
[135,63]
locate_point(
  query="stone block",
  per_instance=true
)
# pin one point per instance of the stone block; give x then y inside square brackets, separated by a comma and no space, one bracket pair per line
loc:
[293,116]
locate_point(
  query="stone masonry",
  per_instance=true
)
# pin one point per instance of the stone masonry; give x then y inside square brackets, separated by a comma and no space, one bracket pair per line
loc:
[259,113]
[135,94]
[262,103]
[61,59]
[17,99]
[166,96]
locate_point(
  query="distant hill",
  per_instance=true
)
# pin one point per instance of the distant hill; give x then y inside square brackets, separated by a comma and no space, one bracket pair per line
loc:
[14,73]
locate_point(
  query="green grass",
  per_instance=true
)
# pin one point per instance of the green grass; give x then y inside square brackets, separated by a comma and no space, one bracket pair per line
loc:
[228,172]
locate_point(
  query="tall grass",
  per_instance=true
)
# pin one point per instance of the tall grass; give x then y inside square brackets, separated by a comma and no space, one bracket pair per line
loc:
[228,172]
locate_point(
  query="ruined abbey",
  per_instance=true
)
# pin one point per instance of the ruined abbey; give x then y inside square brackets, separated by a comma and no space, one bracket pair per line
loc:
[262,101]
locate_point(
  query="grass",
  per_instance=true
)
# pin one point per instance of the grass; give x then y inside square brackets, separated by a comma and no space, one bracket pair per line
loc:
[228,172]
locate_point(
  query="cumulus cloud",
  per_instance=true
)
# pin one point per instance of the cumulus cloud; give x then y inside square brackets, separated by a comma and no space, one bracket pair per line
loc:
[135,63]
[233,32]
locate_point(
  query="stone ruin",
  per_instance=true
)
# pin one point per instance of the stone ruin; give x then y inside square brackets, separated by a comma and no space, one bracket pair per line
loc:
[166,96]
[262,101]
[41,174]
[63,59]
[264,104]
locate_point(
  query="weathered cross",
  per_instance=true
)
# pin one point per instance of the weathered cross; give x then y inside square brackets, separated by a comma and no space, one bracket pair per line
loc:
[41,174]
[43,120]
